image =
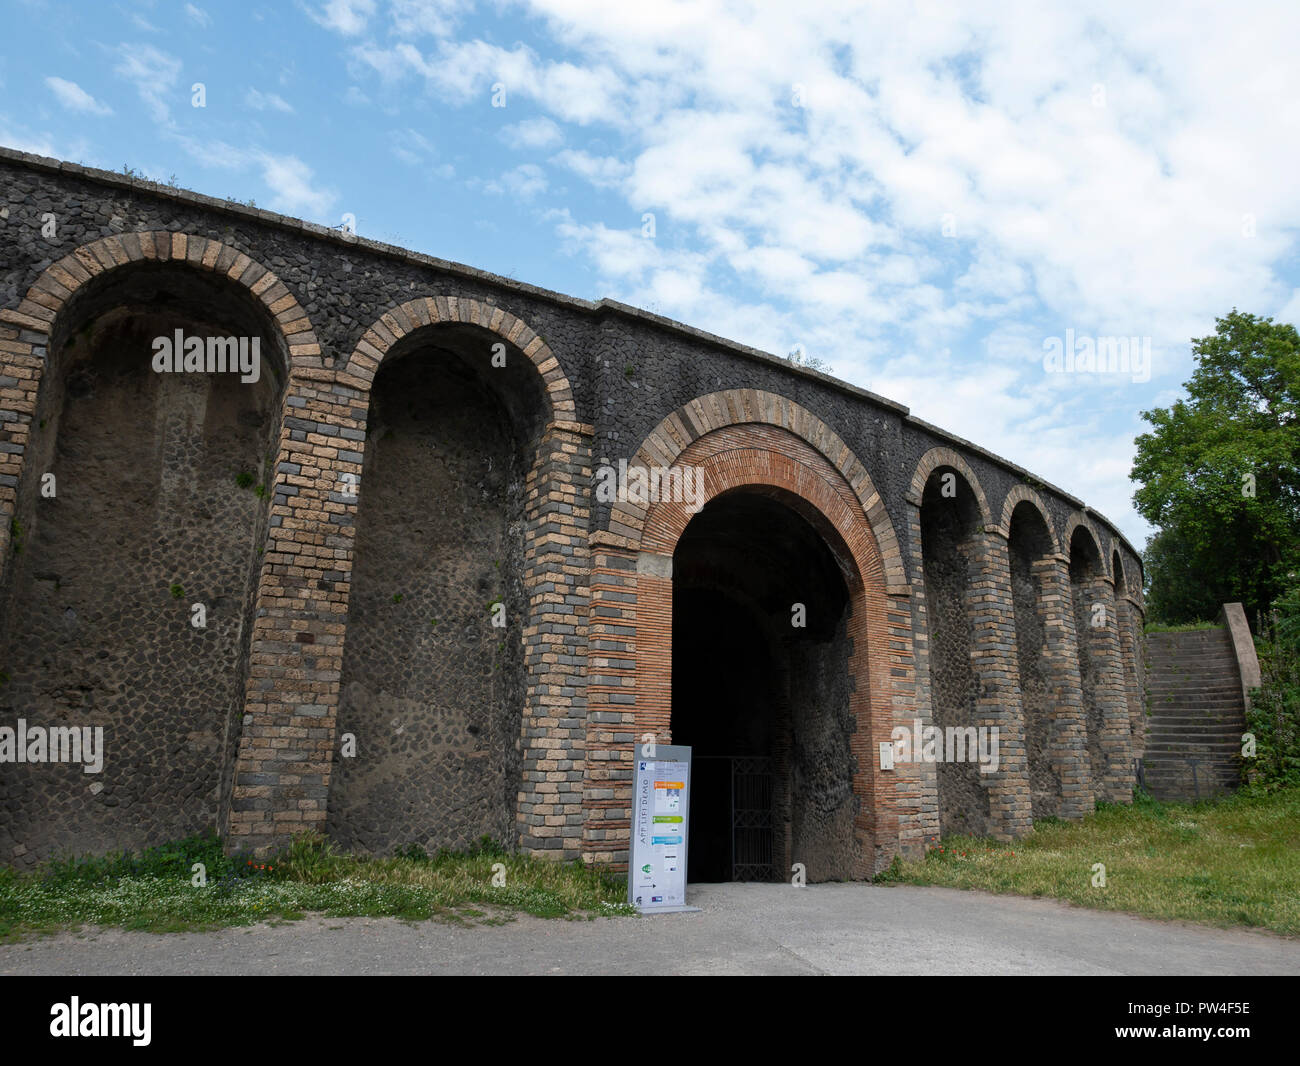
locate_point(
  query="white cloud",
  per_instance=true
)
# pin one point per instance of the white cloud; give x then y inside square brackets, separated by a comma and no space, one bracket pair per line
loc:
[533,133]
[415,149]
[413,18]
[602,171]
[1105,168]
[293,190]
[260,101]
[154,75]
[75,98]
[348,17]
[463,70]
[524,182]
[40,143]
[1290,312]
[292,183]
[198,16]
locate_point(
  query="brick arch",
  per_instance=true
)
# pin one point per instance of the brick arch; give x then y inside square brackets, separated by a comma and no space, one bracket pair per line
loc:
[548,817]
[668,441]
[1107,722]
[25,331]
[1077,519]
[939,457]
[1117,569]
[397,322]
[761,465]
[60,281]
[1024,494]
[1132,583]
[762,456]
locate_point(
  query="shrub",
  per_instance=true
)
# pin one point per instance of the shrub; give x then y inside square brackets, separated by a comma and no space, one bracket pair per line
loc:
[1274,715]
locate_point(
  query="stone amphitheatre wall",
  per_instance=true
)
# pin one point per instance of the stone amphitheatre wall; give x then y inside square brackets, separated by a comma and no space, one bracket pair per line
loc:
[416,461]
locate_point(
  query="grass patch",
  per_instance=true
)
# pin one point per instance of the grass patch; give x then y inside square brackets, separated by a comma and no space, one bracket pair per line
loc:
[1228,862]
[153,890]
[1183,627]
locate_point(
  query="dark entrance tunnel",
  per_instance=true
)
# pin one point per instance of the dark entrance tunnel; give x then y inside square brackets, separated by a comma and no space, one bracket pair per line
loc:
[763,701]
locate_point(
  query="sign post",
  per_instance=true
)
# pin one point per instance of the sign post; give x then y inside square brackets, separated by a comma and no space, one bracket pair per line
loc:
[656,866]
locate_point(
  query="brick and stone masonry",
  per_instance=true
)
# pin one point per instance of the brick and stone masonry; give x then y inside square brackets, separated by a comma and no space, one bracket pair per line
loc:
[425,627]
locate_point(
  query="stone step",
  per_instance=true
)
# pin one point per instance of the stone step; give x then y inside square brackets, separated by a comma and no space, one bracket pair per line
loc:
[1229,779]
[1157,697]
[1194,636]
[1172,766]
[1156,737]
[1200,711]
[1204,771]
[1217,685]
[1225,772]
[1198,736]
[1181,787]
[1218,675]
[1197,708]
[1196,715]
[1164,759]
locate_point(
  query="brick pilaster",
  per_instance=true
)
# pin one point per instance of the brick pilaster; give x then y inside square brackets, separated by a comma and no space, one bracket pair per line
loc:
[1067,744]
[913,817]
[611,695]
[22,364]
[557,578]
[1129,648]
[282,769]
[1113,778]
[994,663]
[922,788]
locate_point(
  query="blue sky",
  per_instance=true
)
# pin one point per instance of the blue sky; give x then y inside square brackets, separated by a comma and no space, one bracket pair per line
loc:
[921,195]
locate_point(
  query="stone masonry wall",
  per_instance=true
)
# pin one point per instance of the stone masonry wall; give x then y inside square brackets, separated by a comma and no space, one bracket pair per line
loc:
[608,382]
[147,521]
[431,690]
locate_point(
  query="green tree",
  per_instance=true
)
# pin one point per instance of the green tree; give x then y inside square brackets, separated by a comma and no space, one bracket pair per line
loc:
[1220,474]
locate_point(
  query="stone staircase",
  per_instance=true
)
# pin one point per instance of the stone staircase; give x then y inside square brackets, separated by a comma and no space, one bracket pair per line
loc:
[1197,715]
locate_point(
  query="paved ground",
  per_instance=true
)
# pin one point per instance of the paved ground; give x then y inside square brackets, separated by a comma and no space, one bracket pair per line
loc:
[741,929]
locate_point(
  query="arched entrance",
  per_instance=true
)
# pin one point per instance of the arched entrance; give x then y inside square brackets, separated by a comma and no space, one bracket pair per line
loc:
[777,478]
[761,689]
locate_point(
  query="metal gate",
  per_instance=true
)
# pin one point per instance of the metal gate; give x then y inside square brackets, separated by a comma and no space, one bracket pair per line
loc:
[753,844]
